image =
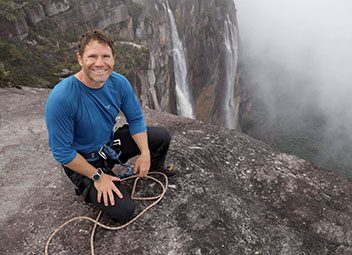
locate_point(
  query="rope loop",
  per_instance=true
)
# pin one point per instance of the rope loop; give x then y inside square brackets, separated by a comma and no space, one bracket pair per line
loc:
[96,221]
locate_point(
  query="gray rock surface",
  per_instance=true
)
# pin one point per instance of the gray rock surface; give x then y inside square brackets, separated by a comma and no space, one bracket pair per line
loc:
[233,195]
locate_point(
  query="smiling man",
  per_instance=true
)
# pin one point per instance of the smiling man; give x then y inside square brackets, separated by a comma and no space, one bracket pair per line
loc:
[81,114]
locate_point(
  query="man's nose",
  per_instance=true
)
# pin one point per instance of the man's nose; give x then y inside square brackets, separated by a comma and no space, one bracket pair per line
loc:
[99,61]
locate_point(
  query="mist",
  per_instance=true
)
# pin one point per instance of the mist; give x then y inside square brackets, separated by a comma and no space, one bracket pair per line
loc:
[298,57]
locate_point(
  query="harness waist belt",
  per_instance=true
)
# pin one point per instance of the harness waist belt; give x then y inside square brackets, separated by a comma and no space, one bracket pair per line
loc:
[91,155]
[105,149]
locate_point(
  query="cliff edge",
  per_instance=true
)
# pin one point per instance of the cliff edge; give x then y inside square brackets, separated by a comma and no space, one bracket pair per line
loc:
[233,195]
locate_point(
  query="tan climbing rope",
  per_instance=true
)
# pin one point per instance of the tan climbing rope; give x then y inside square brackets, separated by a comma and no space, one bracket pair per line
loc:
[96,221]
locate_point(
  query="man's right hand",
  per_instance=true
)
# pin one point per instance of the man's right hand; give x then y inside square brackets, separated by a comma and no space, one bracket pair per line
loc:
[106,189]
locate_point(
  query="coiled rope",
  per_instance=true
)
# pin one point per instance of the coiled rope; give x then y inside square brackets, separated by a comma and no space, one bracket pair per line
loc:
[96,221]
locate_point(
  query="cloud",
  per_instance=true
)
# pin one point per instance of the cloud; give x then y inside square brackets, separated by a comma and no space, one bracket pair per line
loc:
[302,49]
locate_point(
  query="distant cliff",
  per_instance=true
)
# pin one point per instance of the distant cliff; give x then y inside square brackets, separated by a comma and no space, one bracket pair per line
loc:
[39,38]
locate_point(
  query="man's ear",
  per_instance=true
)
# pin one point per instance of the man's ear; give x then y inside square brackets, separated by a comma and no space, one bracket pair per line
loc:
[79,59]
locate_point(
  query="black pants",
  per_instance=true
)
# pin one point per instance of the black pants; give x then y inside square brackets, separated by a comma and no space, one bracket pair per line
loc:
[158,141]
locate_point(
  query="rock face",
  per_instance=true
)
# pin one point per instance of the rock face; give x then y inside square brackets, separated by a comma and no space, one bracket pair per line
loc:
[233,195]
[201,25]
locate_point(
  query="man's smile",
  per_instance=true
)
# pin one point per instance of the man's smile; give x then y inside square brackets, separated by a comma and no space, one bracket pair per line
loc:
[100,71]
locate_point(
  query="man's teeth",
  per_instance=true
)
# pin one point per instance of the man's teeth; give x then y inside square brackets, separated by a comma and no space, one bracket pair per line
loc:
[99,71]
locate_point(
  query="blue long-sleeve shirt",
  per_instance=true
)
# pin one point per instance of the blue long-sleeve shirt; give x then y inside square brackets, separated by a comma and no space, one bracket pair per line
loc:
[81,119]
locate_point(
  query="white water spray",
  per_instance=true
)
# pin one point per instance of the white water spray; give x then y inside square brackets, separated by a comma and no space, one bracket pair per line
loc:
[183,95]
[231,58]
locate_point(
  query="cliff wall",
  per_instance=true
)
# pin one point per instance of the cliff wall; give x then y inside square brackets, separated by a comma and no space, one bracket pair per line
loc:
[49,29]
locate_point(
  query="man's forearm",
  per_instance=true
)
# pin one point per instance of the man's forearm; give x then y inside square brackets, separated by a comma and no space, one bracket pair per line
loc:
[141,140]
[142,164]
[81,166]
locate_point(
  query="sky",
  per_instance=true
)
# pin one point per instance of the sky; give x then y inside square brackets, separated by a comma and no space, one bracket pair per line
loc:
[305,48]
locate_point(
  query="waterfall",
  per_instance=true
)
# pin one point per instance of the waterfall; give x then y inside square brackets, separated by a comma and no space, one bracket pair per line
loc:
[183,95]
[231,57]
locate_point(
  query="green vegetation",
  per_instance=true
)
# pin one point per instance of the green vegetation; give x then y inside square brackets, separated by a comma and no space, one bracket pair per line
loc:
[130,58]
[9,52]
[221,3]
[7,16]
[9,9]
[134,10]
[39,58]
[5,76]
[33,3]
[36,63]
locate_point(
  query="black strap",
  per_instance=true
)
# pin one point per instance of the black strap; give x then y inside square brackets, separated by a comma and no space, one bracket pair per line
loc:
[95,154]
[91,155]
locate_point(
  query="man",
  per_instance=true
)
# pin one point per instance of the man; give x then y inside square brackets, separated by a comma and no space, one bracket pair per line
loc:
[81,113]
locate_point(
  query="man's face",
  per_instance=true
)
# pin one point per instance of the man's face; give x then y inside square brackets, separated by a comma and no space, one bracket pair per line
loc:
[97,64]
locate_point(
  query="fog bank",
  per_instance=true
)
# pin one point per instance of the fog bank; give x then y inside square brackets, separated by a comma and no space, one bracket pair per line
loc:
[298,55]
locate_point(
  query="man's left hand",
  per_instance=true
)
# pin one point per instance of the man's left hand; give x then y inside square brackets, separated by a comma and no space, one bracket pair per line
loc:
[142,165]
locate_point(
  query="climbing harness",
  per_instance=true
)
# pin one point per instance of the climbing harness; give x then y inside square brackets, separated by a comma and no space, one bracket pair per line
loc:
[107,156]
[106,152]
[96,221]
